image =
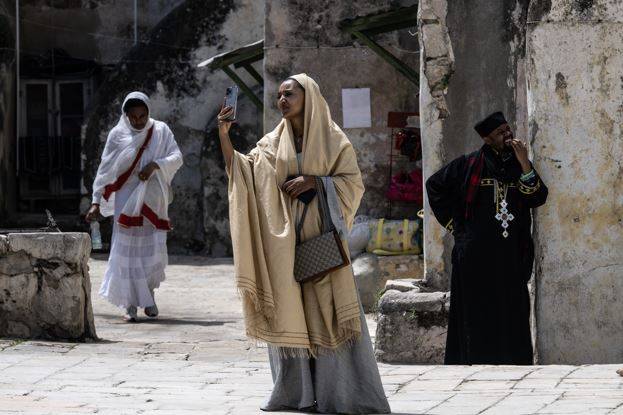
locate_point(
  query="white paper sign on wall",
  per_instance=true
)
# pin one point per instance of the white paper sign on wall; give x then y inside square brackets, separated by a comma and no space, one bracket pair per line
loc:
[356,108]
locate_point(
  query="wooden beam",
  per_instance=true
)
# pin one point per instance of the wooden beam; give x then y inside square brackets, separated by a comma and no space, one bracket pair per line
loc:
[378,21]
[248,92]
[249,61]
[254,74]
[400,66]
[252,52]
[390,28]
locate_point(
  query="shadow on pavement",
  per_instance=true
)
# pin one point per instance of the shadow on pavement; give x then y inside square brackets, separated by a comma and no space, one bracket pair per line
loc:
[167,321]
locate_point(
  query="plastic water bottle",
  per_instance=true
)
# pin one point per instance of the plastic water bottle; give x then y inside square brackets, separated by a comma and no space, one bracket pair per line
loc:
[96,237]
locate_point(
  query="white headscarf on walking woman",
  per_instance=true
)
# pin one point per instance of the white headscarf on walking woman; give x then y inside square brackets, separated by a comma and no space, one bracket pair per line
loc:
[127,150]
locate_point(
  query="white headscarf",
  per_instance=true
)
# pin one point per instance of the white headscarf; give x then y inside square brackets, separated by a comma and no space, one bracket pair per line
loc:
[124,117]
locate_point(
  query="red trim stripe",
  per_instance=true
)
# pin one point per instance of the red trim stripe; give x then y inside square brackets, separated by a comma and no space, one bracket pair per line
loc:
[147,212]
[118,184]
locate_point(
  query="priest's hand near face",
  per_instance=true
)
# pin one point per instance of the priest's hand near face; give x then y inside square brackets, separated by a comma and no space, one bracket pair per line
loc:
[299,185]
[521,152]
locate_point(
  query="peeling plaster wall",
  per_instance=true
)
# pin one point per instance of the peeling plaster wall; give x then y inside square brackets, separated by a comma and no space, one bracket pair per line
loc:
[471,52]
[303,36]
[575,95]
[7,110]
[188,99]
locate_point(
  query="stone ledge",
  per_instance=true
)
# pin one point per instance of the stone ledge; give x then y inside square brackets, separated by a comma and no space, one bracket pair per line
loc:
[404,285]
[413,301]
[71,247]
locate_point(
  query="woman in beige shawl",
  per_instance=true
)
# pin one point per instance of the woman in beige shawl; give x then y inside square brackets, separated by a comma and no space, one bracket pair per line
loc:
[320,351]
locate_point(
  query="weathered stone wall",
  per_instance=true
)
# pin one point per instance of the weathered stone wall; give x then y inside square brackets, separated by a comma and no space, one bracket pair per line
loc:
[303,36]
[7,110]
[471,52]
[188,99]
[575,106]
[45,290]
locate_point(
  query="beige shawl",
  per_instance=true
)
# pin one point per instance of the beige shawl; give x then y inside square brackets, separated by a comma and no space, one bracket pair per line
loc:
[317,315]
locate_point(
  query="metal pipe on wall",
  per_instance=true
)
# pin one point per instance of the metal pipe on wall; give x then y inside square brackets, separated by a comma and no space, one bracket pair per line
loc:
[135,22]
[17,87]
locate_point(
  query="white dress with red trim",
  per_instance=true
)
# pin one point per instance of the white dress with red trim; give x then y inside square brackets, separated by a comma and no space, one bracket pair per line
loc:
[138,253]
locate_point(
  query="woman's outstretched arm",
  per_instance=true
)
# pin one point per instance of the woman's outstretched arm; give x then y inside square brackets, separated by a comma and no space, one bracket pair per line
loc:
[223,133]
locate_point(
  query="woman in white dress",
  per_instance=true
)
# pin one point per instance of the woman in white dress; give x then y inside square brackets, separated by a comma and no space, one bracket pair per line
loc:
[133,183]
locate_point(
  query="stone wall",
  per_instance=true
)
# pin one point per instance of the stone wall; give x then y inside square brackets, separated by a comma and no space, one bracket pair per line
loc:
[471,52]
[45,290]
[576,113]
[303,36]
[7,110]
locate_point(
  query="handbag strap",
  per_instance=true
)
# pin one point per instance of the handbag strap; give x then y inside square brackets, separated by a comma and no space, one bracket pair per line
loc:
[406,245]
[379,233]
[323,208]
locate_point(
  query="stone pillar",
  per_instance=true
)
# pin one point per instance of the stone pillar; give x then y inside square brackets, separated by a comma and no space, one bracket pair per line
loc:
[45,290]
[575,96]
[436,68]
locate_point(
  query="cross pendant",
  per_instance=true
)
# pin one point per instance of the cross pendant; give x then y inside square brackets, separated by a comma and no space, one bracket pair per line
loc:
[505,217]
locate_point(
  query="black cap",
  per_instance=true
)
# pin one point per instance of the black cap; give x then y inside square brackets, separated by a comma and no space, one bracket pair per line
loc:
[493,121]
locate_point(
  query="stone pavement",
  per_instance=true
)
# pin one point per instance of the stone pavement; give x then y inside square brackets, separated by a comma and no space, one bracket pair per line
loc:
[194,359]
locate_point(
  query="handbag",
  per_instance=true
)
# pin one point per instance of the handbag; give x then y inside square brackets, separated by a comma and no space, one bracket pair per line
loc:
[323,254]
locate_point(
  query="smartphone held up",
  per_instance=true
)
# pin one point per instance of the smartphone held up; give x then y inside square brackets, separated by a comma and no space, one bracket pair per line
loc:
[231,100]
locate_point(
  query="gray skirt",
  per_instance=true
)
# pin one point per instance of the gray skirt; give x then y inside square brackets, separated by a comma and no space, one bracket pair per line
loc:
[345,382]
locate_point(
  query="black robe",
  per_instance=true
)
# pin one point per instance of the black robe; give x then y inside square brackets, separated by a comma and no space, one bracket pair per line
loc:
[489,319]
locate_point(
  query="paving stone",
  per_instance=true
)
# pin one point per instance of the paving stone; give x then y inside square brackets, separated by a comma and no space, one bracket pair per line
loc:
[486,385]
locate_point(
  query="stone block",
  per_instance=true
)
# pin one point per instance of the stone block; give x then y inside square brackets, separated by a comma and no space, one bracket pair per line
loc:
[4,244]
[45,287]
[422,321]
[373,271]
[15,263]
[408,284]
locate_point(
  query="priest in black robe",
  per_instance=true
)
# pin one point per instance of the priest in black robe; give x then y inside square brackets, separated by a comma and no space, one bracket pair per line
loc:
[485,199]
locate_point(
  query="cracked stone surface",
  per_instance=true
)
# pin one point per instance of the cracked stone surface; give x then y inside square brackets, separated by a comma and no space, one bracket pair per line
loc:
[194,359]
[45,286]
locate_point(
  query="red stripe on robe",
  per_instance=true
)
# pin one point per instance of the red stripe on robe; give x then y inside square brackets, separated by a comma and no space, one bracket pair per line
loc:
[146,211]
